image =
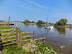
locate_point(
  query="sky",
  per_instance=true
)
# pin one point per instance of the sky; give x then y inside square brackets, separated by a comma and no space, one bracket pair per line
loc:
[35,10]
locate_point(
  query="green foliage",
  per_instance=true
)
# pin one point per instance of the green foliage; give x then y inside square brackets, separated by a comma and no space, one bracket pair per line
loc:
[45,49]
[61,22]
[40,22]
[14,49]
[27,21]
[32,22]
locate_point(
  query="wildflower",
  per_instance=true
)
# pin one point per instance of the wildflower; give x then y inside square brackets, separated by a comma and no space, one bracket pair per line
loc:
[62,47]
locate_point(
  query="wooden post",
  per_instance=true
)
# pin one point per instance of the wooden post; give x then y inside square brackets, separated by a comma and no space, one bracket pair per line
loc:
[39,40]
[0,35]
[16,35]
[33,35]
[0,43]
[8,21]
[43,39]
[15,25]
[19,37]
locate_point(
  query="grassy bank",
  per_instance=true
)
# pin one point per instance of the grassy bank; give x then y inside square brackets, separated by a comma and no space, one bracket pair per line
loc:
[31,23]
[43,49]
[5,23]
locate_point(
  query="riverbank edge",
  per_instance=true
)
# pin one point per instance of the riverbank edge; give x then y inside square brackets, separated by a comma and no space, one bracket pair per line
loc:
[5,23]
[65,26]
[30,23]
[69,26]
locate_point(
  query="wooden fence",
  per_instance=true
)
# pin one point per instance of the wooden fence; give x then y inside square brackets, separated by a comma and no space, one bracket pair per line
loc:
[8,38]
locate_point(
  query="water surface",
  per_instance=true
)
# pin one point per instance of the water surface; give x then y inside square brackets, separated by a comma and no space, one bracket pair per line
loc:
[56,37]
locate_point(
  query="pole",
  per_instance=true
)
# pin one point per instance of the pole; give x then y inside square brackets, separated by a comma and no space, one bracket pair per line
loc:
[8,21]
[19,37]
[16,35]
[33,35]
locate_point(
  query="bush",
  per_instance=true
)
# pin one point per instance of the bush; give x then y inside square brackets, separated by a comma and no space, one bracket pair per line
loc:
[45,49]
[32,22]
[27,21]
[61,22]
[40,22]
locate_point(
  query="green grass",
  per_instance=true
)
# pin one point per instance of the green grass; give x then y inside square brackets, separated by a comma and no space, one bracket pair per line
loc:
[5,31]
[26,38]
[14,49]
[5,27]
[24,34]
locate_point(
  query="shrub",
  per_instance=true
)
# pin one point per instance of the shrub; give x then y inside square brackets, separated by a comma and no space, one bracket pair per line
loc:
[27,21]
[61,22]
[40,22]
[32,22]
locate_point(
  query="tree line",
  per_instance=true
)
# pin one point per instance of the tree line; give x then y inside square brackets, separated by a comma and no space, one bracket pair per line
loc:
[39,22]
[27,21]
[61,22]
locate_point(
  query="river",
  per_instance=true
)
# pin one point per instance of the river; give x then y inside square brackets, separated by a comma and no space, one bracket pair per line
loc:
[56,37]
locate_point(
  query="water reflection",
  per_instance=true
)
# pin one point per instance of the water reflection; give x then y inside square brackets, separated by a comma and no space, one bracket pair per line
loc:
[70,28]
[39,26]
[46,33]
[60,30]
[26,25]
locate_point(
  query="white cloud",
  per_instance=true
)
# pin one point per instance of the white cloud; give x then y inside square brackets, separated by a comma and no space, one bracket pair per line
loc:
[36,4]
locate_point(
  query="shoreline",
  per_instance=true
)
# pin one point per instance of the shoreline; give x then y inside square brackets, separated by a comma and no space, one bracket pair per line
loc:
[30,23]
[5,23]
[64,26]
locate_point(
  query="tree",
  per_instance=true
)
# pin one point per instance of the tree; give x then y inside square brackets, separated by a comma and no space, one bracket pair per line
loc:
[32,22]
[40,22]
[61,22]
[26,21]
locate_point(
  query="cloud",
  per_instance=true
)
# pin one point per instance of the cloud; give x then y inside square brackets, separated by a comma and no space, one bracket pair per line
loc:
[36,4]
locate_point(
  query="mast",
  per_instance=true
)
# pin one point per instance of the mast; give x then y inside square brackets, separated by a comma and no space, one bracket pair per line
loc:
[47,21]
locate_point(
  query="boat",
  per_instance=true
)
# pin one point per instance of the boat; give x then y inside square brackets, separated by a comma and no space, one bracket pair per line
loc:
[47,26]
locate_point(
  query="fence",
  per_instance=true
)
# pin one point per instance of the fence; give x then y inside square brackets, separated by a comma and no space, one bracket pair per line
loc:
[9,38]
[6,38]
